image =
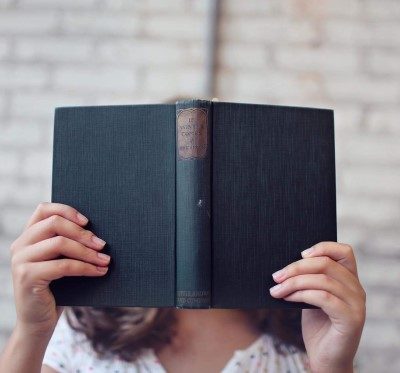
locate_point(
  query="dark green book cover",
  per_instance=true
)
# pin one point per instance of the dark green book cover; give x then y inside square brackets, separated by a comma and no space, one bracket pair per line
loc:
[199,202]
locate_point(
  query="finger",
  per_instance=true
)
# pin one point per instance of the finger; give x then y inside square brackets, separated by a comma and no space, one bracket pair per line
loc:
[330,304]
[53,247]
[56,225]
[55,269]
[319,264]
[47,209]
[340,252]
[313,282]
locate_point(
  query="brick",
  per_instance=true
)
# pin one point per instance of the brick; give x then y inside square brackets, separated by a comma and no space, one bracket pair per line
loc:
[240,56]
[153,6]
[376,213]
[95,78]
[226,85]
[3,104]
[351,234]
[16,22]
[389,9]
[318,10]
[384,63]
[384,306]
[369,149]
[268,30]
[56,4]
[381,121]
[9,164]
[53,49]
[13,220]
[370,272]
[145,53]
[37,163]
[21,76]
[171,7]
[373,181]
[316,59]
[14,192]
[186,82]
[386,243]
[5,255]
[21,134]
[41,105]
[194,7]
[99,23]
[106,98]
[381,335]
[364,90]
[348,120]
[273,85]
[371,360]
[177,27]
[6,3]
[361,33]
[5,48]
[8,315]
[254,7]
[6,289]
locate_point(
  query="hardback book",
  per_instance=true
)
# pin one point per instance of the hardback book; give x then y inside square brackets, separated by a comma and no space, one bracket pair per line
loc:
[199,201]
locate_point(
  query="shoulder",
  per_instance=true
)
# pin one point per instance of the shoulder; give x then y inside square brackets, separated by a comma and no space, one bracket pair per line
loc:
[67,348]
[287,356]
[266,354]
[71,351]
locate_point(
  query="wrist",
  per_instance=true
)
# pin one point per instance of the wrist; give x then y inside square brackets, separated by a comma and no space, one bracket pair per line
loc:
[36,332]
[346,368]
[25,349]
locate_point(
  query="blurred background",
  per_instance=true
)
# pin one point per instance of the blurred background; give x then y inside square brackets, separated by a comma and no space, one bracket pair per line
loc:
[338,54]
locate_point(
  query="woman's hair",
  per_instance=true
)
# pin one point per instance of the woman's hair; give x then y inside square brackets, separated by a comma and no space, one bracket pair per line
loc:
[124,332]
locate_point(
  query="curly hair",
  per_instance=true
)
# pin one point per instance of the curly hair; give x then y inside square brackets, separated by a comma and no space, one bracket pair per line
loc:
[125,332]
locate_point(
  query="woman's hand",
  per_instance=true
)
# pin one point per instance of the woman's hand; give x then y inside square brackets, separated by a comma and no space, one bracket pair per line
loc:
[54,230]
[326,277]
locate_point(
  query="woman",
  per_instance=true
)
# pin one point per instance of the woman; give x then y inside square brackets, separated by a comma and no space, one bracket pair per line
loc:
[119,340]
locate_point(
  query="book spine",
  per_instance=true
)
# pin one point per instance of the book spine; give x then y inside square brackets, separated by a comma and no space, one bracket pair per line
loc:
[193,203]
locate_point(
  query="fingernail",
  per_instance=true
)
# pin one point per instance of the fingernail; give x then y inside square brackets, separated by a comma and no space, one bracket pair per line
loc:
[275,288]
[98,241]
[103,257]
[102,269]
[82,218]
[278,274]
[308,251]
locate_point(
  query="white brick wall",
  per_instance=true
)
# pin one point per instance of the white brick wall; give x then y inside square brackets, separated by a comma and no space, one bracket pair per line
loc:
[341,54]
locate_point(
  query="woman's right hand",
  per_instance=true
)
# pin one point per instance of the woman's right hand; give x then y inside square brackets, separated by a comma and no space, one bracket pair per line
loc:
[54,230]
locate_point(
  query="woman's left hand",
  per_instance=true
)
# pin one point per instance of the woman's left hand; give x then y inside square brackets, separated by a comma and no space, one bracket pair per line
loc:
[326,277]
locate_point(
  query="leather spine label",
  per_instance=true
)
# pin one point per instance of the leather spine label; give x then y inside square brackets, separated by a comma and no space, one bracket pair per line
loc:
[192,130]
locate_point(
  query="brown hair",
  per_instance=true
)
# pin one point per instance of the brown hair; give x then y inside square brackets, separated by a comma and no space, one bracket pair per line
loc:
[124,332]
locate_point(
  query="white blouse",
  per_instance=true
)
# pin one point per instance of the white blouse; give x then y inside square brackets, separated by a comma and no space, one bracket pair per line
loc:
[70,351]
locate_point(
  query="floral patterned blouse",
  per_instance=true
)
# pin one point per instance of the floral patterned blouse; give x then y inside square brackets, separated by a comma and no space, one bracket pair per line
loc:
[70,351]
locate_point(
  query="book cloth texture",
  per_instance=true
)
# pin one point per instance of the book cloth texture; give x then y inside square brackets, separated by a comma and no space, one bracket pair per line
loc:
[199,202]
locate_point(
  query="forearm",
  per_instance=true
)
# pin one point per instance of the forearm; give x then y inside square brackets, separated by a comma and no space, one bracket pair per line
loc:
[24,351]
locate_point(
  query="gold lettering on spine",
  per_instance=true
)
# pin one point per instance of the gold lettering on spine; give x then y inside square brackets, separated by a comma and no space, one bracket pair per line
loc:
[192,133]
